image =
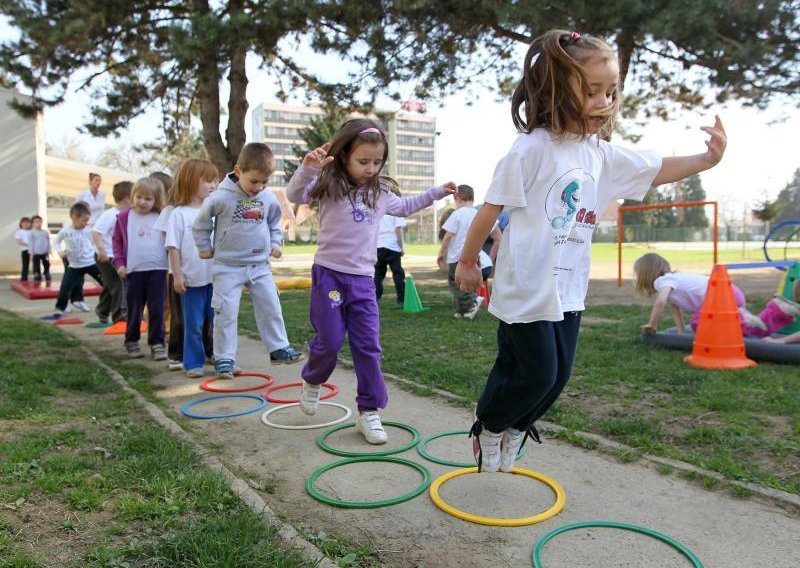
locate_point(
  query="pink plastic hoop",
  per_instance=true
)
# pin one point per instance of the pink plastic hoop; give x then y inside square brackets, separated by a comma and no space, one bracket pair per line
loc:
[206,385]
[266,394]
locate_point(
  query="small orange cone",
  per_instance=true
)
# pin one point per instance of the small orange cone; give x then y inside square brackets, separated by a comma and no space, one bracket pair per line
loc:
[719,342]
[483,292]
[119,328]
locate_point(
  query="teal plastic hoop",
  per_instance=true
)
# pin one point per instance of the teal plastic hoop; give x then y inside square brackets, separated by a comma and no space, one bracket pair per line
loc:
[537,550]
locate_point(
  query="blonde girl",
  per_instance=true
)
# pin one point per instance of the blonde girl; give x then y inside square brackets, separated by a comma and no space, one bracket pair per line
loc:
[140,258]
[685,292]
[559,175]
[191,275]
[344,175]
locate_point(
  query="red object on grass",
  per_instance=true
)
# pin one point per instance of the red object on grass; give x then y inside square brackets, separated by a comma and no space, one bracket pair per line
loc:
[206,385]
[67,321]
[266,394]
[119,328]
[48,290]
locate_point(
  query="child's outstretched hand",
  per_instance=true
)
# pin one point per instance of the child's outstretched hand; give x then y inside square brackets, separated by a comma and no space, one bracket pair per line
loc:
[717,143]
[450,188]
[318,158]
[648,329]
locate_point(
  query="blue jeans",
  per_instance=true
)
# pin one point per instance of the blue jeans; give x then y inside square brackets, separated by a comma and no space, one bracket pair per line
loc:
[196,304]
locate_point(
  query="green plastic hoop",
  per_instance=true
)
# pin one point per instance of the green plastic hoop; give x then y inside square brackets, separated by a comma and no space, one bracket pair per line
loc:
[422,449]
[348,454]
[426,480]
[536,556]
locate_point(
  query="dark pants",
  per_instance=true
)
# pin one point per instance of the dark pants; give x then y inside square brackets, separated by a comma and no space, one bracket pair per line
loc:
[198,323]
[462,301]
[40,262]
[25,256]
[112,303]
[147,288]
[71,289]
[345,303]
[390,258]
[533,365]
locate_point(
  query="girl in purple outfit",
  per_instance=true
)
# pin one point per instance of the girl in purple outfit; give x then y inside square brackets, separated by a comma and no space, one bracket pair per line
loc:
[344,175]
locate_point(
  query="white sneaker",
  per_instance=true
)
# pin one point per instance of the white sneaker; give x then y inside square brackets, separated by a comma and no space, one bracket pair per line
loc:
[175,365]
[67,310]
[486,447]
[369,424]
[82,306]
[309,398]
[787,306]
[473,311]
[509,448]
[752,320]
[480,300]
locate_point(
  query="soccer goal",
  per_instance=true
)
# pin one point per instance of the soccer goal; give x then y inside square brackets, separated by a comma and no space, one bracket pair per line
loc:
[621,229]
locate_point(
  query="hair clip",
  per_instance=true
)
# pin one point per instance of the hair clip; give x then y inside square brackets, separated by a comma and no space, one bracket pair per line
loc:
[574,36]
[371,129]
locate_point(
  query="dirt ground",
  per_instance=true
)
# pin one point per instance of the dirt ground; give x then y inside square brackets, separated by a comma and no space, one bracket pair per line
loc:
[722,530]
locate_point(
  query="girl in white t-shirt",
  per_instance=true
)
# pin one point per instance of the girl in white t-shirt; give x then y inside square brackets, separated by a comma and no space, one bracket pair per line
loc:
[558,177]
[140,258]
[686,291]
[191,275]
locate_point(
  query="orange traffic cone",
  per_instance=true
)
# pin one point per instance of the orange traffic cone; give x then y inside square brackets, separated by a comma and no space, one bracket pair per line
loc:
[719,342]
[119,328]
[483,292]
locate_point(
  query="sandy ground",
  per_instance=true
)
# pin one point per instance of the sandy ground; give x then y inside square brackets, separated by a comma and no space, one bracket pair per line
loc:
[722,530]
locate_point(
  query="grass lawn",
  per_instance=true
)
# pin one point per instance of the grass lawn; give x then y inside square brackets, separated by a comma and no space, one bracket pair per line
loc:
[88,480]
[742,424]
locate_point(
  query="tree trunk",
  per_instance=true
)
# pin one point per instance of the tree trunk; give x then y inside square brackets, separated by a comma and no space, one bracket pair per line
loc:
[625,45]
[237,103]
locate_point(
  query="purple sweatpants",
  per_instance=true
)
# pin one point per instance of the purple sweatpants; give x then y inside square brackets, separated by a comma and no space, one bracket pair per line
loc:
[346,303]
[772,316]
[147,288]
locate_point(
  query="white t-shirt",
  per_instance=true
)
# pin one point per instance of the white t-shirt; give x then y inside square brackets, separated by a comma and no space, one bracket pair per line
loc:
[555,189]
[458,223]
[22,234]
[196,270]
[78,246]
[145,244]
[96,203]
[104,226]
[387,236]
[688,289]
[484,260]
[163,218]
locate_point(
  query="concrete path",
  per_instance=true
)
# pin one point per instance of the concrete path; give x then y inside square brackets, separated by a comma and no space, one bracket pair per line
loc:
[721,530]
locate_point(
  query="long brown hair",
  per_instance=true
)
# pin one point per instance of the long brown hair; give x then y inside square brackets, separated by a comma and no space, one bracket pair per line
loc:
[553,64]
[333,179]
[647,268]
[188,177]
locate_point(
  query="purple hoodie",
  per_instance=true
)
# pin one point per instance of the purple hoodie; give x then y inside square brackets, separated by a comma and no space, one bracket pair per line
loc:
[348,229]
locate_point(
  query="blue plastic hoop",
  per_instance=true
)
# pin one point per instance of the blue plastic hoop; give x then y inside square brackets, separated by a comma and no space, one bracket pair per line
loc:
[185,408]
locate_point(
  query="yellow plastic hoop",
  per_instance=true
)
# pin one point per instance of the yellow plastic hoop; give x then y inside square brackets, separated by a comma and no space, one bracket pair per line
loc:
[495,521]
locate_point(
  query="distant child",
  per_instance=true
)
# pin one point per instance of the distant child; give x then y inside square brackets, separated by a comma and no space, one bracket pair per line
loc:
[191,275]
[245,218]
[344,175]
[141,259]
[484,260]
[685,291]
[112,303]
[39,243]
[792,337]
[21,238]
[390,254]
[559,175]
[174,311]
[466,304]
[74,244]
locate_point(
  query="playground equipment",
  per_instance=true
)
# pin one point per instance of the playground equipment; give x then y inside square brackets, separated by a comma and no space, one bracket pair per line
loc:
[719,342]
[778,244]
[754,348]
[48,290]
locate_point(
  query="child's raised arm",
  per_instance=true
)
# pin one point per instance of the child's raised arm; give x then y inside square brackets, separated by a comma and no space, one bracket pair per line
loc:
[676,168]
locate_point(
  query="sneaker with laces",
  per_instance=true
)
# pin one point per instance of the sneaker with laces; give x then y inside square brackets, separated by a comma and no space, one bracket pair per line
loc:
[175,365]
[134,351]
[787,306]
[369,423]
[223,369]
[509,448]
[752,320]
[486,447]
[309,398]
[473,311]
[158,352]
[457,316]
[66,310]
[286,355]
[195,373]
[82,306]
